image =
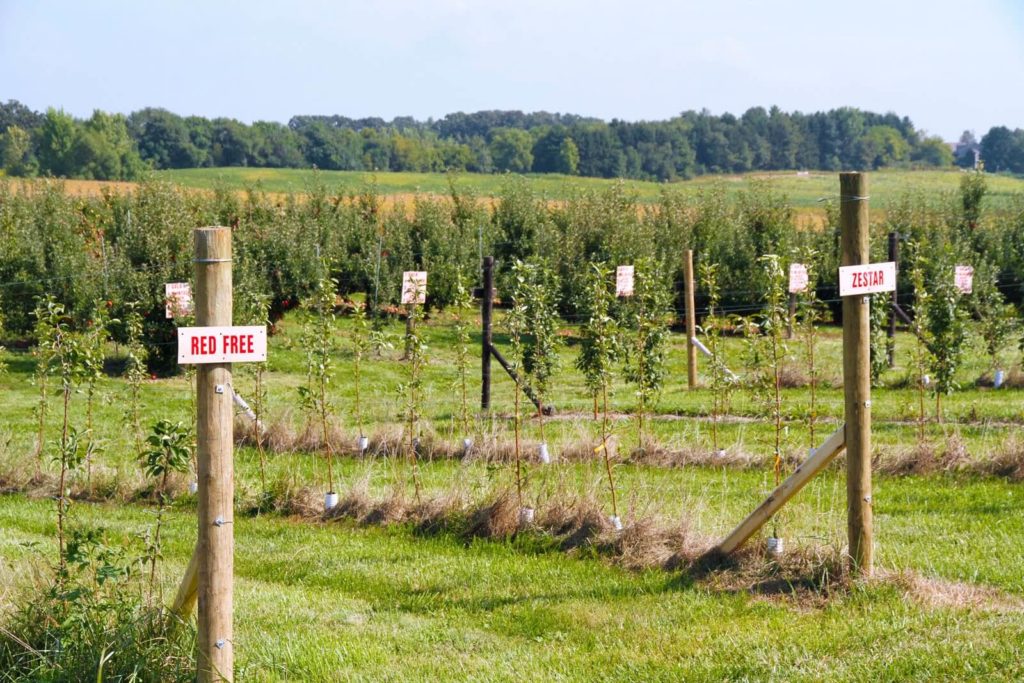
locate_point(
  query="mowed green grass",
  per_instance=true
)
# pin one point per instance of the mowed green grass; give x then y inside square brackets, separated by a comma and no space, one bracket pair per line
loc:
[326,602]
[802,191]
[332,601]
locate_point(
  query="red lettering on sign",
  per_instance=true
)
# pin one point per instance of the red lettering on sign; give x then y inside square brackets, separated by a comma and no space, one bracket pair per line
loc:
[875,278]
[248,344]
[195,345]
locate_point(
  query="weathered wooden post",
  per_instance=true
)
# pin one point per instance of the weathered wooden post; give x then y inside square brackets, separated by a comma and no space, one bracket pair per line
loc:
[853,220]
[215,647]
[691,321]
[890,344]
[486,311]
[855,286]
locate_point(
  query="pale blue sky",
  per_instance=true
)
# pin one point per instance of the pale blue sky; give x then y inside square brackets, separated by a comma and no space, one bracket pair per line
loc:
[947,64]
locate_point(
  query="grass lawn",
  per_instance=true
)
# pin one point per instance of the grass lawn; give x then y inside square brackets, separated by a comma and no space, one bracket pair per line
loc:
[324,602]
[336,601]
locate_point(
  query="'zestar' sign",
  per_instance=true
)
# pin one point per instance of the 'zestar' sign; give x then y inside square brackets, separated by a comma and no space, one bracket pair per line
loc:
[870,278]
[197,345]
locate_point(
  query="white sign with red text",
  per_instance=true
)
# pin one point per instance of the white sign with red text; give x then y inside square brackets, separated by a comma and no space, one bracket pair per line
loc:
[624,281]
[414,287]
[246,344]
[965,279]
[870,278]
[797,278]
[178,299]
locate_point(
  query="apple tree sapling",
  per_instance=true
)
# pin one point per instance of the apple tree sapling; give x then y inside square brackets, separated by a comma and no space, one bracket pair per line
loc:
[946,330]
[809,312]
[600,349]
[412,388]
[773,327]
[646,320]
[318,341]
[135,369]
[723,382]
[997,320]
[463,303]
[168,449]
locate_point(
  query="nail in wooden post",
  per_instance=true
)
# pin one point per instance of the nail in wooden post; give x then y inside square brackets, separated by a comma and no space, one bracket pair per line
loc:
[853,220]
[215,647]
[890,344]
[691,321]
[486,310]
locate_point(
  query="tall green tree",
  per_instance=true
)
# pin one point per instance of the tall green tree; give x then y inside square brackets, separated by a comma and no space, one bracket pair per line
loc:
[512,150]
[16,157]
[56,144]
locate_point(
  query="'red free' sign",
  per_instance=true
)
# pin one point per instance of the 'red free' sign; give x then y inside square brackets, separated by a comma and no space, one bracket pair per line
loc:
[197,345]
[870,278]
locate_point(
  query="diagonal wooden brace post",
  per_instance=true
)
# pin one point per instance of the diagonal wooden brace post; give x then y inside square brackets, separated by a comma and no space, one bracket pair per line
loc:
[188,591]
[818,460]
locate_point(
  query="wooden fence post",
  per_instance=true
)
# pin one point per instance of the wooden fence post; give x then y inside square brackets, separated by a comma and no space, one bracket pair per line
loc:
[853,220]
[691,322]
[486,311]
[890,344]
[215,647]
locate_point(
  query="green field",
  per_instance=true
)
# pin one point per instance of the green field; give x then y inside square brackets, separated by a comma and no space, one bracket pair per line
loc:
[338,600]
[802,191]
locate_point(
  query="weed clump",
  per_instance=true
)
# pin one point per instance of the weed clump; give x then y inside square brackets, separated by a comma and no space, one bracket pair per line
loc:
[89,621]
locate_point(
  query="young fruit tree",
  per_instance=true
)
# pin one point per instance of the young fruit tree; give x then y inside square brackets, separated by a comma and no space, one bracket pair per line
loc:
[413,296]
[515,323]
[44,334]
[878,318]
[135,369]
[318,341]
[723,382]
[768,351]
[922,355]
[536,286]
[810,309]
[462,305]
[946,331]
[255,310]
[361,342]
[168,449]
[997,320]
[94,348]
[65,349]
[533,331]
[599,352]
[646,321]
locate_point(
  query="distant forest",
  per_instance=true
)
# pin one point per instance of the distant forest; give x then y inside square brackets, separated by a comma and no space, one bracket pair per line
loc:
[118,147]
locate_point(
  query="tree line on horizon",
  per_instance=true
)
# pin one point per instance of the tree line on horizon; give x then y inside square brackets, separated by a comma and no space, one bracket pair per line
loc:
[109,146]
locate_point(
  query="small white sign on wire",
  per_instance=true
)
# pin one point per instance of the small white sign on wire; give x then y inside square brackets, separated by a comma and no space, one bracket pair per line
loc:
[965,279]
[798,279]
[178,299]
[243,344]
[624,276]
[870,278]
[414,287]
